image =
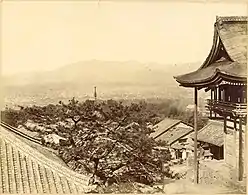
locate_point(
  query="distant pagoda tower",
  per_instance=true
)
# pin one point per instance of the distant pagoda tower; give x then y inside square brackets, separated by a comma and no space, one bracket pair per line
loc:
[95,93]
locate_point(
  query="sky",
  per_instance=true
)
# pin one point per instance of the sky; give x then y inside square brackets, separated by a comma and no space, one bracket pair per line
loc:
[45,35]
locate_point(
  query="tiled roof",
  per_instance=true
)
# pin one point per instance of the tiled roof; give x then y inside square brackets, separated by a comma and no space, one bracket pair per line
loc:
[171,130]
[212,133]
[24,169]
[164,125]
[230,43]
[234,38]
[174,134]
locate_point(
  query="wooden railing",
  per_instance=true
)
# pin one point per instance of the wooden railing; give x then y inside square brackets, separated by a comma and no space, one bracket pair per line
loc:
[227,107]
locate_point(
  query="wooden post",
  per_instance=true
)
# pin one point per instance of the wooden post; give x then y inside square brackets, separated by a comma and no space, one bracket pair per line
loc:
[240,151]
[215,98]
[245,150]
[195,141]
[219,94]
[225,133]
[234,146]
[211,103]
[223,95]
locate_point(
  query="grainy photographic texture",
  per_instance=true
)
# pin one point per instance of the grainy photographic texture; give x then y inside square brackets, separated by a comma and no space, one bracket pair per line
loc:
[123,97]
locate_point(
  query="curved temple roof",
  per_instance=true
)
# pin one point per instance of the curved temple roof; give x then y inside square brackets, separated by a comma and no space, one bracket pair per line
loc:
[23,169]
[227,59]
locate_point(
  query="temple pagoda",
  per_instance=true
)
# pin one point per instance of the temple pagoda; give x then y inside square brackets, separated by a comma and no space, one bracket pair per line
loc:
[224,75]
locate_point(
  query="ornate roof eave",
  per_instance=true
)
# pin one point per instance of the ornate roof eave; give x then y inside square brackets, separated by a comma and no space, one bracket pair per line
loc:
[215,79]
[218,54]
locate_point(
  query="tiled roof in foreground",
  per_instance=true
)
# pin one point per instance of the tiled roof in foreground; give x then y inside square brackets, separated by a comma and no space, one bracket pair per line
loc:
[24,169]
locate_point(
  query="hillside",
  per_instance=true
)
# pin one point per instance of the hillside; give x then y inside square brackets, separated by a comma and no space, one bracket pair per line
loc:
[117,80]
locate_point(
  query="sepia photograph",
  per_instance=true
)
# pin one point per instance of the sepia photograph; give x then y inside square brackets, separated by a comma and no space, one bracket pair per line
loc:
[123,97]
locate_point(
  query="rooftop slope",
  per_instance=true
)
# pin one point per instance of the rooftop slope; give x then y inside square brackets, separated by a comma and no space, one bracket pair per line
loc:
[175,133]
[212,133]
[233,34]
[24,169]
[227,58]
[170,130]
[163,126]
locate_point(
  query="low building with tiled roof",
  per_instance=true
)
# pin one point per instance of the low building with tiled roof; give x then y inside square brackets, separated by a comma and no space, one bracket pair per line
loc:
[25,169]
[212,133]
[213,139]
[170,130]
[174,132]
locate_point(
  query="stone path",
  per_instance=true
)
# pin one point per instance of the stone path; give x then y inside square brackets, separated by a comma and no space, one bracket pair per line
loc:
[184,186]
[212,182]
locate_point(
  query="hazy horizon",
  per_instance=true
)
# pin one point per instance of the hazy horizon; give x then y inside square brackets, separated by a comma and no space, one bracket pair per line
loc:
[43,36]
[162,66]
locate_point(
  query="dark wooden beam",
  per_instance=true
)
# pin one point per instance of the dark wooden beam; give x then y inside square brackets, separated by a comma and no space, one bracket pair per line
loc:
[240,151]
[196,171]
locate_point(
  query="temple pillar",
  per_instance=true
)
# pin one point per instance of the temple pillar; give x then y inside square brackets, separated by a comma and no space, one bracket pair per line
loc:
[196,167]
[215,98]
[235,148]
[219,94]
[211,95]
[245,150]
[240,151]
[225,144]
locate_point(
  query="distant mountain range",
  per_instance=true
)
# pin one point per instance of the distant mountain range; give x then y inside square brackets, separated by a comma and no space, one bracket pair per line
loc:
[116,80]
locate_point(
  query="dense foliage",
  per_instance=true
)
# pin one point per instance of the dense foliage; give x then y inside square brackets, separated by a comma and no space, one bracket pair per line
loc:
[106,138]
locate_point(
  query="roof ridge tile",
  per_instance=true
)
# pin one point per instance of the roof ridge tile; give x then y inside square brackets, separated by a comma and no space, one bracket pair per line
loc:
[231,18]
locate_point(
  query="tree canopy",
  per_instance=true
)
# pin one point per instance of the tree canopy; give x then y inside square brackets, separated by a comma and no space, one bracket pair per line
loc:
[107,139]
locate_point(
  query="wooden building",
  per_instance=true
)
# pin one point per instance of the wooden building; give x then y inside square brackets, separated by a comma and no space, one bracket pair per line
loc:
[224,75]
[211,139]
[175,133]
[183,146]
